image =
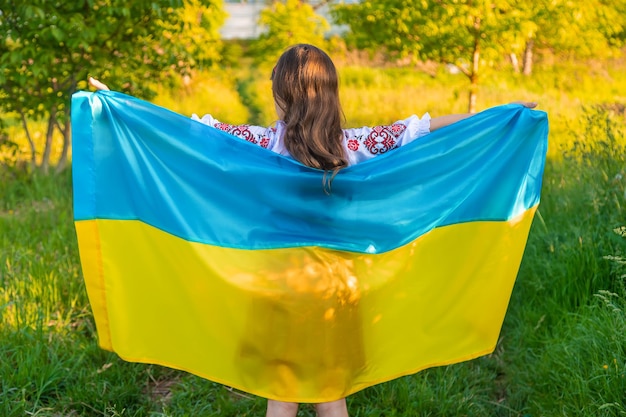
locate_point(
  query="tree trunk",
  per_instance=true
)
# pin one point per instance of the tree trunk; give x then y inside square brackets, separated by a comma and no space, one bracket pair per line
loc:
[473,92]
[473,76]
[45,158]
[31,143]
[514,62]
[527,62]
[67,142]
[473,72]
[66,131]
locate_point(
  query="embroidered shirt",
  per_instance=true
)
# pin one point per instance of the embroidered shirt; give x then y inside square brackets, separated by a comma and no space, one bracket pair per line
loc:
[360,144]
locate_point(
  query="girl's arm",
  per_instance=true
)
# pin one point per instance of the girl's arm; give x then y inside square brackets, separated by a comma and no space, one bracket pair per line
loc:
[442,121]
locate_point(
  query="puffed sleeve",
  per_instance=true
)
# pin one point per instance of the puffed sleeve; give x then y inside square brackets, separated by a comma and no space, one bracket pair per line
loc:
[207,119]
[263,136]
[365,143]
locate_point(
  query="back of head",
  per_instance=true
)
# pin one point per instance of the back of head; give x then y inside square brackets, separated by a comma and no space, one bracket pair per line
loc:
[305,87]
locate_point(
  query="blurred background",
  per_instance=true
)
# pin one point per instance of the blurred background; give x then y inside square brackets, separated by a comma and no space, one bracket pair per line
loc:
[562,350]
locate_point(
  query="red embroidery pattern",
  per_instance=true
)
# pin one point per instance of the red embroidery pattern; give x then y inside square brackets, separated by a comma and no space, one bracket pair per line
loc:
[398,129]
[265,142]
[383,138]
[353,145]
[241,131]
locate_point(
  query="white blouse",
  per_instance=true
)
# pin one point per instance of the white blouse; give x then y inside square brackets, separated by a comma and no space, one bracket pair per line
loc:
[360,144]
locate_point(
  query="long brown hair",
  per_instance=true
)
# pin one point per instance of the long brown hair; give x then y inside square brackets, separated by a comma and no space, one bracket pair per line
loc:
[306,89]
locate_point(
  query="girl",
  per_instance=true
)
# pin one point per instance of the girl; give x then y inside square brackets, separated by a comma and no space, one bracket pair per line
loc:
[306,97]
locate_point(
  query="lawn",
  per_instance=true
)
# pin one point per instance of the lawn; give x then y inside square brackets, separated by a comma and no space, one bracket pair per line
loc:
[562,349]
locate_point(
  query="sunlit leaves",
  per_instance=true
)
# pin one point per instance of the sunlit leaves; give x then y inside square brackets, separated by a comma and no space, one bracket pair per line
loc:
[443,30]
[288,22]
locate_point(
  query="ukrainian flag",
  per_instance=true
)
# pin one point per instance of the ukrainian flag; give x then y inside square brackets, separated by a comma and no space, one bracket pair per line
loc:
[205,253]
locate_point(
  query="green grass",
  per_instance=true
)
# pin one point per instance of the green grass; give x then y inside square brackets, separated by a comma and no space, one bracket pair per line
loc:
[566,322]
[562,350]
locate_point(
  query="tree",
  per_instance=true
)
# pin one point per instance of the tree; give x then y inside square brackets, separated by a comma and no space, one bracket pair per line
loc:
[469,34]
[593,28]
[288,22]
[48,48]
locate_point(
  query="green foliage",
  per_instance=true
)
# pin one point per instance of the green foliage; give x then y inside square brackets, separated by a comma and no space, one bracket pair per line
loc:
[287,22]
[478,35]
[192,35]
[582,29]
[445,31]
[48,49]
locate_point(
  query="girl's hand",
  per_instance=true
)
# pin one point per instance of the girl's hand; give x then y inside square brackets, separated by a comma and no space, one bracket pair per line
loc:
[528,104]
[97,84]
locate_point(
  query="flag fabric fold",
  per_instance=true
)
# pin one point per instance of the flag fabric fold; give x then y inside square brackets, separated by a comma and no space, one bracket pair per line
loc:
[206,253]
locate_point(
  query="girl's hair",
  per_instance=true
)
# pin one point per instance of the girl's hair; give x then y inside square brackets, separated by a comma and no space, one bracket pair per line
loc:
[306,89]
